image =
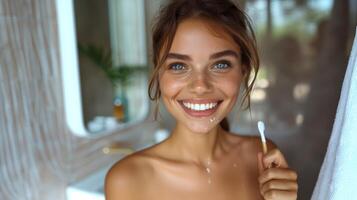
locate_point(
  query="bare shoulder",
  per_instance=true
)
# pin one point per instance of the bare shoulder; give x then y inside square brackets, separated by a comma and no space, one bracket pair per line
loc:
[255,143]
[249,144]
[126,175]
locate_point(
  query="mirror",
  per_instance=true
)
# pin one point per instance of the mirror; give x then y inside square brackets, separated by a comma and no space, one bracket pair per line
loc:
[104,64]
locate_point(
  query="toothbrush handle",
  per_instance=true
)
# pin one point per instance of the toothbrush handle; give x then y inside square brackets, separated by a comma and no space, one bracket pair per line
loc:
[265,148]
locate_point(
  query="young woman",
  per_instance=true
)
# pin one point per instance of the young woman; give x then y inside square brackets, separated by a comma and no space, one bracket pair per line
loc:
[203,51]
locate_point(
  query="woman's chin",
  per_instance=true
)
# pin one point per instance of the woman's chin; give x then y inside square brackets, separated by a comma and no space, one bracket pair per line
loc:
[201,128]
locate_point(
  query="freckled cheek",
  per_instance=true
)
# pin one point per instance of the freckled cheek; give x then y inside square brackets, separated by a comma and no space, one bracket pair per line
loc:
[231,85]
[170,87]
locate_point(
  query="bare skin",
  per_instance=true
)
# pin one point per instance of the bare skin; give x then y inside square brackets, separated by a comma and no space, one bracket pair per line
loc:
[200,160]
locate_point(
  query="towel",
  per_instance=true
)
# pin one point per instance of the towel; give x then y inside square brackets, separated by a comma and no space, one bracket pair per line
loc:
[338,174]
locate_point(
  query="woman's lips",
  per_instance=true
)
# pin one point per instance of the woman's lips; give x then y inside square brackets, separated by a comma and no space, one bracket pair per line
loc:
[210,107]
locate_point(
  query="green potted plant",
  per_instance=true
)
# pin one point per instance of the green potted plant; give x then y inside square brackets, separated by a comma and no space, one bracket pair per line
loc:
[119,76]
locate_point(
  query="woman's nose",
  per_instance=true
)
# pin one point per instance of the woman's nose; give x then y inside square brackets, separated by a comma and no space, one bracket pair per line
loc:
[200,84]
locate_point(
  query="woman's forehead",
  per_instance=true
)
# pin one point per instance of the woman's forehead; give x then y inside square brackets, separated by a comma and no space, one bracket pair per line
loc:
[200,34]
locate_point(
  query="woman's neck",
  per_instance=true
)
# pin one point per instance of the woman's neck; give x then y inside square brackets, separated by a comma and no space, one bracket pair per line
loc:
[200,148]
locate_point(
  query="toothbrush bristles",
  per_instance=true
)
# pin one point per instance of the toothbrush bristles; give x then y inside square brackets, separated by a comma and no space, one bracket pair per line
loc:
[261,128]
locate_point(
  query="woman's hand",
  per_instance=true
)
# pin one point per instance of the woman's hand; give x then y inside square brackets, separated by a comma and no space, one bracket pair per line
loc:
[276,180]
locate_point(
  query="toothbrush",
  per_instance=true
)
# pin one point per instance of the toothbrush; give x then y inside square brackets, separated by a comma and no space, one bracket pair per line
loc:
[261,128]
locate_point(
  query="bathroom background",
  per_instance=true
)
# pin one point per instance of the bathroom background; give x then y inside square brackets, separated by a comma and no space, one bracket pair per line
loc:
[304,47]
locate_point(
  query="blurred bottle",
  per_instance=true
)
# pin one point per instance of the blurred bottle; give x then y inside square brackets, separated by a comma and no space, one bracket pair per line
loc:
[119,109]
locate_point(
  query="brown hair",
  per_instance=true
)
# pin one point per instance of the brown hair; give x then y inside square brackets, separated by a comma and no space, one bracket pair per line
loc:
[223,12]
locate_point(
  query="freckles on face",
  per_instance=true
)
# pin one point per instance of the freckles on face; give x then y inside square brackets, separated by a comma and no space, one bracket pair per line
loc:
[203,66]
[170,87]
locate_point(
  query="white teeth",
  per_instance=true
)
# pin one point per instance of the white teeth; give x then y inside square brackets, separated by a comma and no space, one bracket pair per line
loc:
[206,106]
[196,107]
[202,107]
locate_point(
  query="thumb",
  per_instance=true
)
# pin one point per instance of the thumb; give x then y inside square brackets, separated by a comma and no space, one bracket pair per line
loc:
[260,162]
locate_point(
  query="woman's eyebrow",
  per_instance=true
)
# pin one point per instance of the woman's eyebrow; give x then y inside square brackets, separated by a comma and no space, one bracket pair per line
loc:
[213,56]
[224,53]
[179,56]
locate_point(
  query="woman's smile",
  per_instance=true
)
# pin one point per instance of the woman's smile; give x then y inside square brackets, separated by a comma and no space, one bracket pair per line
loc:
[200,107]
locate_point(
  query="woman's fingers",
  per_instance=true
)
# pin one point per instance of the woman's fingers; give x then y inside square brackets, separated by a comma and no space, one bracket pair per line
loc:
[260,162]
[277,173]
[276,179]
[279,185]
[274,158]
[280,195]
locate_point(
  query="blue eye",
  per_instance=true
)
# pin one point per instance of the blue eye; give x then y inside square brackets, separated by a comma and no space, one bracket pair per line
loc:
[222,65]
[176,67]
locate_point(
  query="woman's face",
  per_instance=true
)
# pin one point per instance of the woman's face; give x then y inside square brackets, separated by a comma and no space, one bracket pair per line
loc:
[201,77]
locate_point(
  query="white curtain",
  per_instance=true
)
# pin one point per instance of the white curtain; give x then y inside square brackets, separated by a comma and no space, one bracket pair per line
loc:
[338,175]
[127,32]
